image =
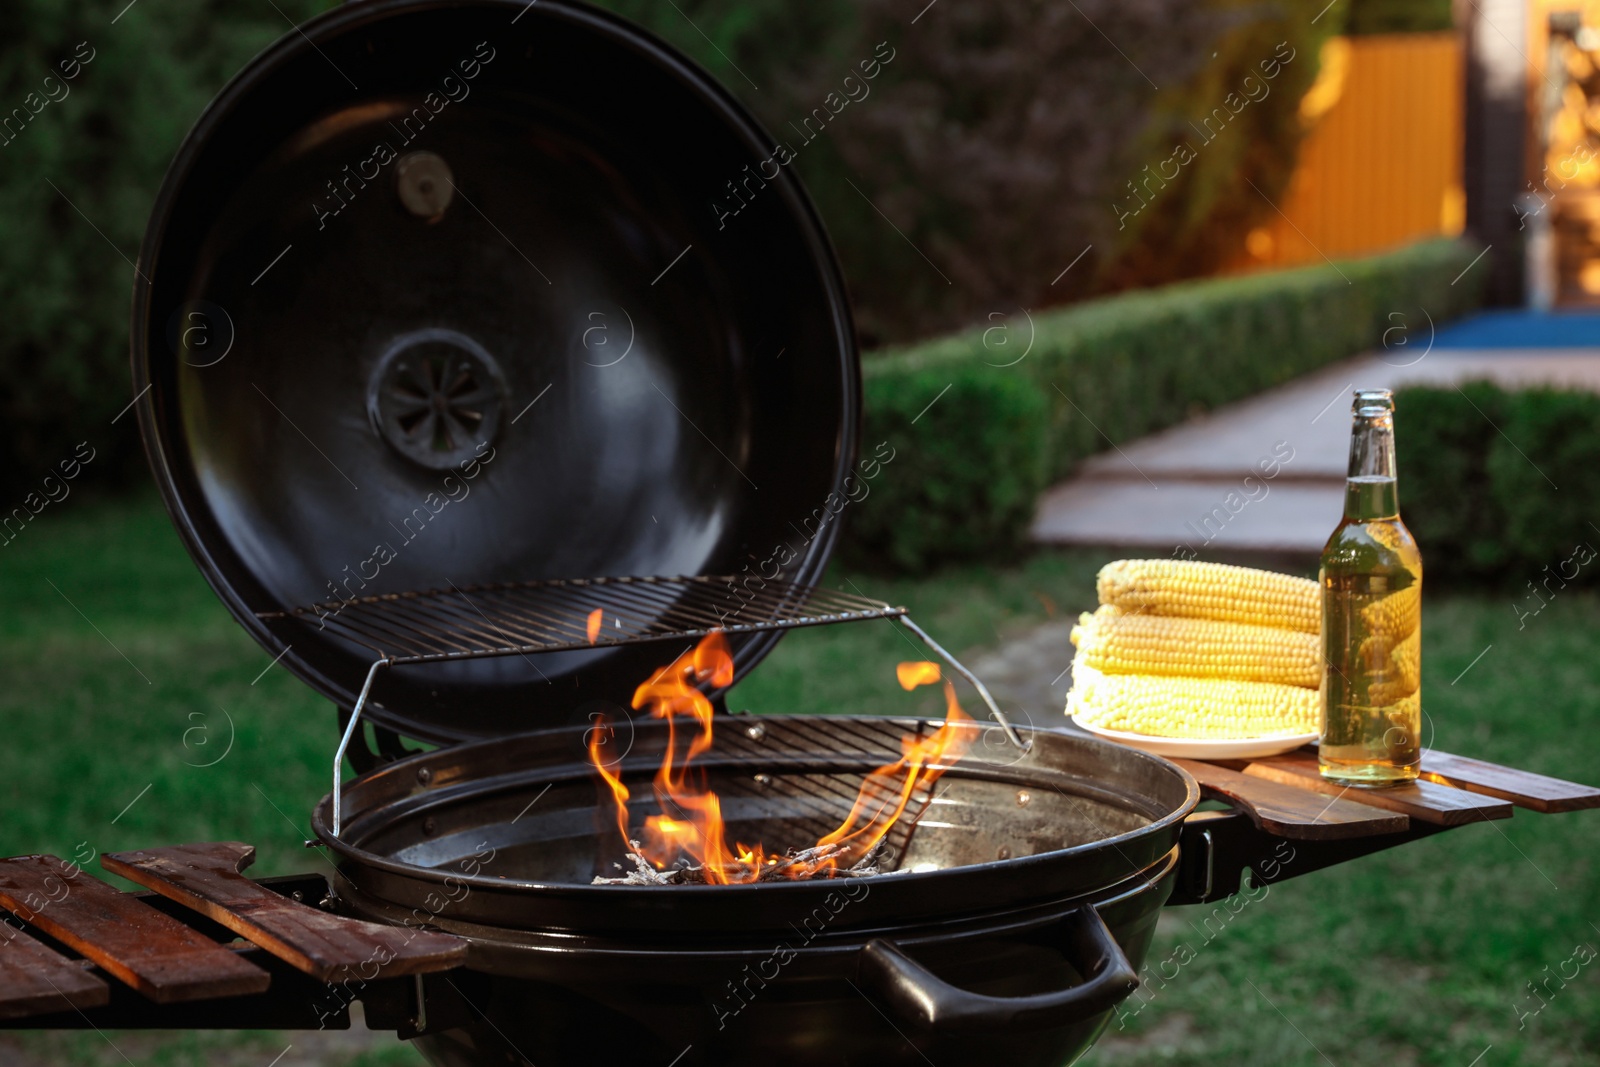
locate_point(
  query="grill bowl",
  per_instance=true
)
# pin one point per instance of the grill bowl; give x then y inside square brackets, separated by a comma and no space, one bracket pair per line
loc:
[497,842]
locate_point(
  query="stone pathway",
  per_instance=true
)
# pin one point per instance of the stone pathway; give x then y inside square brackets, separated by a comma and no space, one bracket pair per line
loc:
[1172,489]
[1029,675]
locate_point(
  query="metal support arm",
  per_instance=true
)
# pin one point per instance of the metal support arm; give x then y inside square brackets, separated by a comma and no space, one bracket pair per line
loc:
[344,743]
[983,690]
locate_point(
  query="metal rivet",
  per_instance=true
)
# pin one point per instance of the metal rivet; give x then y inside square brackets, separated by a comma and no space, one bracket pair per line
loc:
[424,775]
[755,731]
[1023,796]
[426,184]
[428,825]
[1004,853]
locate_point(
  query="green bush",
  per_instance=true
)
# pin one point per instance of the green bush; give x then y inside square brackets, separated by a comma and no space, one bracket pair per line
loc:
[1499,487]
[78,175]
[1442,443]
[968,463]
[1544,471]
[1103,372]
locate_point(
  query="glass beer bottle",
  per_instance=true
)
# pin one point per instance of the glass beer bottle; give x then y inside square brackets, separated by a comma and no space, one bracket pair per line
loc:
[1371,577]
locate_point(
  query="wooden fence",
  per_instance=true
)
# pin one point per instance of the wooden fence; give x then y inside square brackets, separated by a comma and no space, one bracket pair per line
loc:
[1381,165]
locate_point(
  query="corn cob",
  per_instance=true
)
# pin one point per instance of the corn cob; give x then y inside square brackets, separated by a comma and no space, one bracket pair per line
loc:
[1408,709]
[1400,666]
[1396,615]
[1385,533]
[1212,591]
[1191,707]
[1116,642]
[1397,663]
[1406,661]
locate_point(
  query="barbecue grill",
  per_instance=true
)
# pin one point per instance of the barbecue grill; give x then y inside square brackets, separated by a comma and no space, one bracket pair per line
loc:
[473,412]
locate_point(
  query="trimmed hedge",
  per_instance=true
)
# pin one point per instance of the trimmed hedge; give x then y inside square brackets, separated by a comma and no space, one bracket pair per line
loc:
[1442,439]
[969,462]
[1107,371]
[1498,486]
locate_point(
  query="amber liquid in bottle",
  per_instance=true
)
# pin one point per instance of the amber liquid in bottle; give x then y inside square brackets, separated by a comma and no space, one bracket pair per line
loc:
[1371,576]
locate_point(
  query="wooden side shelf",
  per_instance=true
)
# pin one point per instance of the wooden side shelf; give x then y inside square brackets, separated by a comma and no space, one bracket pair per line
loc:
[328,947]
[1286,820]
[1452,791]
[76,944]
[1423,800]
[1523,788]
[1291,812]
[154,953]
[35,980]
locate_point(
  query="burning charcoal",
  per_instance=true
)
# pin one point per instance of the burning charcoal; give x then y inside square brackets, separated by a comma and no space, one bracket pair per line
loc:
[821,861]
[642,874]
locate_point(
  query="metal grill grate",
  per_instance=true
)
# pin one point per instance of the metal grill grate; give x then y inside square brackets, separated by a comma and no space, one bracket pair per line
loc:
[503,619]
[518,618]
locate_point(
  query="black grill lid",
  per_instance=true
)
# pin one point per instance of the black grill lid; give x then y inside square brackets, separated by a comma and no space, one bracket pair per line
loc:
[448,293]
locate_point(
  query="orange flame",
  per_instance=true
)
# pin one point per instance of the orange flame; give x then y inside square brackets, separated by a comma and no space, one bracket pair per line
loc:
[691,825]
[596,618]
[923,760]
[619,792]
[916,673]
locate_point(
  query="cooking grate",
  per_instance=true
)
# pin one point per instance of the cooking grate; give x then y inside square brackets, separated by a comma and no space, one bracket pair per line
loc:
[512,618]
[553,615]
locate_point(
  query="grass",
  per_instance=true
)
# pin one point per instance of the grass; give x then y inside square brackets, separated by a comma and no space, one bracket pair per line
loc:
[123,674]
[1421,955]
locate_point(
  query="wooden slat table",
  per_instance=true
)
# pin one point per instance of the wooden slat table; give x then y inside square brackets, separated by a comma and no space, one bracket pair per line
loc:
[1291,812]
[328,947]
[1422,800]
[1282,799]
[1453,790]
[34,980]
[1523,788]
[155,954]
[76,944]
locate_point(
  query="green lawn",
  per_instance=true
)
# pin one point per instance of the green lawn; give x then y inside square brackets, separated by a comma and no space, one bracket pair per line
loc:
[119,663]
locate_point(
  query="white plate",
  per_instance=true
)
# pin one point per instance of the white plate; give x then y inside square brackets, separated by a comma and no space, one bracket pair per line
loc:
[1204,748]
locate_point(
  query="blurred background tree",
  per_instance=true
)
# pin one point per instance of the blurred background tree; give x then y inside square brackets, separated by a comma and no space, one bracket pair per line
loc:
[999,142]
[77,183]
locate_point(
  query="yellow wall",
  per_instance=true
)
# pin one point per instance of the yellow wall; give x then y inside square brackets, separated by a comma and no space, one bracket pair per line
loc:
[1381,164]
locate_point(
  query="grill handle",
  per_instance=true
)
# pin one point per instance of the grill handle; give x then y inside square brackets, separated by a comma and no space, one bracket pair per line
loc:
[919,997]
